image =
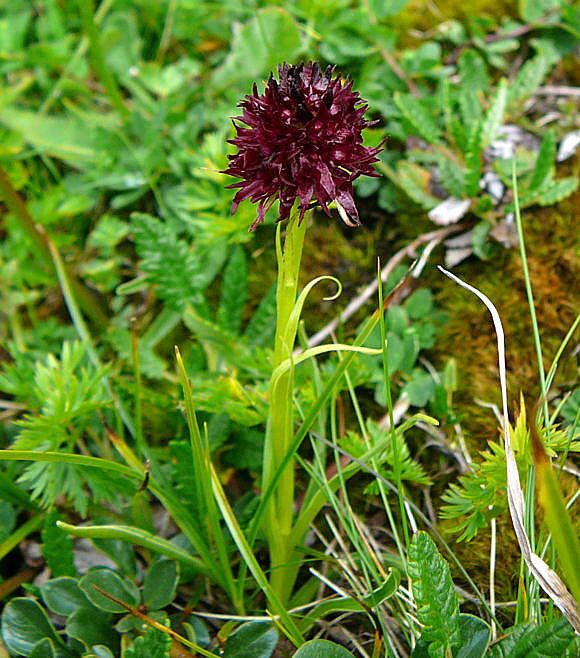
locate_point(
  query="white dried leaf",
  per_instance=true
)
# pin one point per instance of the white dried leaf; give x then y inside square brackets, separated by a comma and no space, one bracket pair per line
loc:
[449,211]
[568,146]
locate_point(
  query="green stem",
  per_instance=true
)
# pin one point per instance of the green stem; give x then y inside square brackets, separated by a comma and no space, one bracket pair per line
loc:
[279,427]
[530,295]
[98,60]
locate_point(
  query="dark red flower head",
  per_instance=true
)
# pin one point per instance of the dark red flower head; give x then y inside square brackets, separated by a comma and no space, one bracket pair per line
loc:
[301,140]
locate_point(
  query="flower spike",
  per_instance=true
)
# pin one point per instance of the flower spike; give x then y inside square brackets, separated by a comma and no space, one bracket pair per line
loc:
[301,139]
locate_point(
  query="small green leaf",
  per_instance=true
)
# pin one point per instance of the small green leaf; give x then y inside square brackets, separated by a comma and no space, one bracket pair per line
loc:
[475,635]
[322,649]
[251,640]
[109,581]
[418,116]
[24,623]
[234,292]
[92,626]
[435,596]
[420,389]
[63,596]
[160,584]
[419,304]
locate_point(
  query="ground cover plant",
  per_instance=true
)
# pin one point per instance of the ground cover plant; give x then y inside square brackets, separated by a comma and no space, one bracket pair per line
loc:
[282,430]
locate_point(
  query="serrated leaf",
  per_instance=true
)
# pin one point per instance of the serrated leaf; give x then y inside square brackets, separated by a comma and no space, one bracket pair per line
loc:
[558,190]
[57,547]
[529,78]
[160,584]
[24,623]
[109,581]
[495,113]
[544,160]
[415,182]
[452,177]
[154,644]
[470,108]
[434,593]
[473,158]
[418,116]
[179,272]
[234,292]
[473,70]
[252,640]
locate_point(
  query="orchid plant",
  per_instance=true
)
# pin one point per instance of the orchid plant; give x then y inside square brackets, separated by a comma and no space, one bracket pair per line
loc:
[300,142]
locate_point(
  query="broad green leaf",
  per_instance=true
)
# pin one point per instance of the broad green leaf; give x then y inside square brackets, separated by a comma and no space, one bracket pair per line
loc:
[322,649]
[475,635]
[67,138]
[418,116]
[545,160]
[251,640]
[532,10]
[45,648]
[550,639]
[269,38]
[92,626]
[63,596]
[495,113]
[24,623]
[110,582]
[234,292]
[435,596]
[160,584]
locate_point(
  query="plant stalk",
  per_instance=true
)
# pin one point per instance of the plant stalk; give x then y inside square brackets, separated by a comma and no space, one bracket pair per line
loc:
[279,432]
